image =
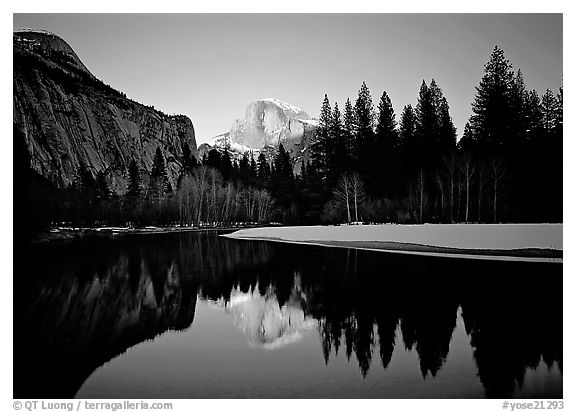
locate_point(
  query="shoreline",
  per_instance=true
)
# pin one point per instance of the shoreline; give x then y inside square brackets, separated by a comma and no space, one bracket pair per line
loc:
[516,255]
[72,234]
[511,242]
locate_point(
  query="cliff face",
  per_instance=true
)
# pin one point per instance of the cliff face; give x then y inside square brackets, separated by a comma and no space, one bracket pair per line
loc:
[269,122]
[266,124]
[70,119]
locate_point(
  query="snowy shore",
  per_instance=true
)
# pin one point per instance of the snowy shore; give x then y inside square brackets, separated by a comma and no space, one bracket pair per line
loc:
[529,242]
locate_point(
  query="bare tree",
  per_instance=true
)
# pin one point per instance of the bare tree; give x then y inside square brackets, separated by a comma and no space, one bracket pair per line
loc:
[440,183]
[249,199]
[497,173]
[227,201]
[481,183]
[451,171]
[357,191]
[343,193]
[264,201]
[199,188]
[185,199]
[420,185]
[467,169]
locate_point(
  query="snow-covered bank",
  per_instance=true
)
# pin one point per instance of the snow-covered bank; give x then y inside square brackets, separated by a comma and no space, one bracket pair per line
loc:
[459,237]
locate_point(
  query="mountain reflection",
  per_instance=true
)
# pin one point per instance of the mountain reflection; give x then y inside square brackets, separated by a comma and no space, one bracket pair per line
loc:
[79,305]
[264,321]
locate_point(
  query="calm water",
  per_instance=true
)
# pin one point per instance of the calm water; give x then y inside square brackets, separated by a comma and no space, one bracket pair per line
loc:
[192,315]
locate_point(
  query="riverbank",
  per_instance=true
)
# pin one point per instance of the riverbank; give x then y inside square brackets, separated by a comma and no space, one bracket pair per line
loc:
[65,234]
[520,242]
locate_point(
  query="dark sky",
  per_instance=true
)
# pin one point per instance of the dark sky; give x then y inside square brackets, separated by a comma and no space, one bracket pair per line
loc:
[211,66]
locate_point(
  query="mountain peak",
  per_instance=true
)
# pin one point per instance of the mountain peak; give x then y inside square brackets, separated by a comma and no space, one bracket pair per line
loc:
[294,110]
[48,45]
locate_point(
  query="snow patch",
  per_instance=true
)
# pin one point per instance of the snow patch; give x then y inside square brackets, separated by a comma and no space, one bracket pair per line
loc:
[283,105]
[311,122]
[39,31]
[457,236]
[224,141]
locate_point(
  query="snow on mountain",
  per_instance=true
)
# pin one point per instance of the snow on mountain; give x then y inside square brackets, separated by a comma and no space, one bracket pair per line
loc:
[267,123]
[223,141]
[285,106]
[31,30]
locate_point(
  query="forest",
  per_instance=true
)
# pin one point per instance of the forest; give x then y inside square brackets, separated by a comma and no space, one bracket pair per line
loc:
[365,166]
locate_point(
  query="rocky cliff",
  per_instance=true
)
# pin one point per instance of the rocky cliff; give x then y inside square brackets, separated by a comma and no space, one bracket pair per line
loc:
[267,123]
[71,119]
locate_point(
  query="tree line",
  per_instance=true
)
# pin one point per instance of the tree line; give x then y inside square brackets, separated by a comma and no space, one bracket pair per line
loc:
[506,167]
[364,165]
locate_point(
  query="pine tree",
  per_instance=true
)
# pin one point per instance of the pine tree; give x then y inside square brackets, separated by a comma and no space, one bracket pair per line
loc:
[447,130]
[559,111]
[282,177]
[213,159]
[338,156]
[382,154]
[518,110]
[244,169]
[159,182]
[386,133]
[263,168]
[491,119]
[549,111]
[407,145]
[253,168]
[349,133]
[226,165]
[189,162]
[134,181]
[364,127]
[407,133]
[427,126]
[532,117]
[320,146]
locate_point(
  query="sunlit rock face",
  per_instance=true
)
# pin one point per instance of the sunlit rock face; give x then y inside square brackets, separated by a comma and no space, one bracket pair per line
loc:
[266,124]
[270,122]
[266,323]
[70,119]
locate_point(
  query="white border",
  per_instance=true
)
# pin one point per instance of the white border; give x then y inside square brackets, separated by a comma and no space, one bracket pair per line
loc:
[307,6]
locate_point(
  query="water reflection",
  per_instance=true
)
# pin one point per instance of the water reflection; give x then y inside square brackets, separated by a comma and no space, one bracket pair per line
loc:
[265,323]
[80,305]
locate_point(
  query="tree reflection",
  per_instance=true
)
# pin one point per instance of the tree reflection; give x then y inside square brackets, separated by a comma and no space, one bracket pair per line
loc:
[79,305]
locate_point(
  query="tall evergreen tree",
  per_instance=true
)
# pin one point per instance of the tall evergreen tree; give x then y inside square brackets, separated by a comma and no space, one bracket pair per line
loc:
[407,132]
[320,147]
[518,110]
[338,156]
[213,159]
[364,128]
[253,168]
[447,130]
[549,111]
[383,153]
[491,119]
[226,165]
[349,133]
[134,181]
[532,117]
[282,178]
[244,169]
[427,126]
[189,162]
[263,168]
[559,111]
[159,182]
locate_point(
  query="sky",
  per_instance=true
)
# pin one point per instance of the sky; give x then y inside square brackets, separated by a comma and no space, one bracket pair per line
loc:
[211,66]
